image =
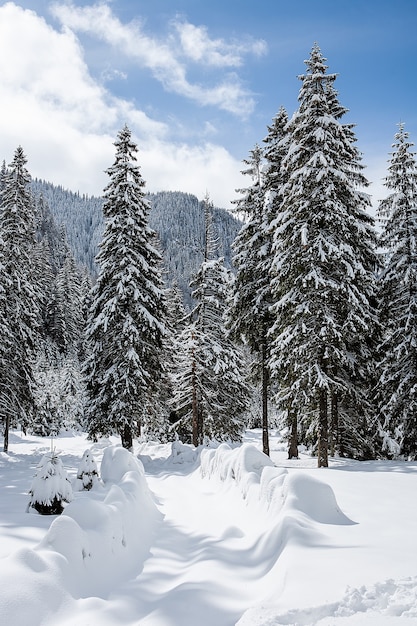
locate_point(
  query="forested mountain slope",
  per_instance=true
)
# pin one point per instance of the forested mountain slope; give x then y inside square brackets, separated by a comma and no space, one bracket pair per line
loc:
[177,217]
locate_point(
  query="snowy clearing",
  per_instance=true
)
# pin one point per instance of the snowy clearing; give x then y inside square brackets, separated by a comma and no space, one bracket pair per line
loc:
[172,537]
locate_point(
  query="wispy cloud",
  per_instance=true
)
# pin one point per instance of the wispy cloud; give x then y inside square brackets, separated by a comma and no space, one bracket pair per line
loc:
[167,59]
[200,48]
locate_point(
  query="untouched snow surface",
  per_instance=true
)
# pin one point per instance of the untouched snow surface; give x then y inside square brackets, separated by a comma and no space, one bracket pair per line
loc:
[173,536]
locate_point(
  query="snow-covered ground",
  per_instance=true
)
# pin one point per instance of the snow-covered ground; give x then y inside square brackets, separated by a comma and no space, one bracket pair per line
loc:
[172,537]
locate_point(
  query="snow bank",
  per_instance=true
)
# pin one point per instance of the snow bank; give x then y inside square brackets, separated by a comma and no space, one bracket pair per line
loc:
[261,482]
[102,537]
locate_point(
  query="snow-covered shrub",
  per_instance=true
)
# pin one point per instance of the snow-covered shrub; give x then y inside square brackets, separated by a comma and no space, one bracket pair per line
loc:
[87,474]
[182,453]
[50,486]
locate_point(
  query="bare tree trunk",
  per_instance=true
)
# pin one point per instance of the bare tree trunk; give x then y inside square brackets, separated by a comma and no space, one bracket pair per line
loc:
[6,434]
[334,424]
[323,459]
[293,446]
[127,438]
[200,422]
[265,386]
[195,420]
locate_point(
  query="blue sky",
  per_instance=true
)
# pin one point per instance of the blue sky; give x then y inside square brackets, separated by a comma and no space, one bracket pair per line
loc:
[196,81]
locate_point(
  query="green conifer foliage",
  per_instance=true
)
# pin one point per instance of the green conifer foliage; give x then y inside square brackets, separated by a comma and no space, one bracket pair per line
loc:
[125,326]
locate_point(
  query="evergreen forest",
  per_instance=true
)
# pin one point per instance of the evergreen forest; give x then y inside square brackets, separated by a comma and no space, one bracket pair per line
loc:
[162,317]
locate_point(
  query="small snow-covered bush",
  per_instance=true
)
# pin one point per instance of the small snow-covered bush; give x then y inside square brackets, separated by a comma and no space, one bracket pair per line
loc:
[87,474]
[182,453]
[50,486]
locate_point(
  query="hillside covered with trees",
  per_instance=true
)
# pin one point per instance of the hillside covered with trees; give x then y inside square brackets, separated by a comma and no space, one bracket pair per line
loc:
[177,217]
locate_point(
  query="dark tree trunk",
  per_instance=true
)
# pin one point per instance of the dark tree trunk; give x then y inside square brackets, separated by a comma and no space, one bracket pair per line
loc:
[194,405]
[293,444]
[127,438]
[6,434]
[323,459]
[200,424]
[265,387]
[334,424]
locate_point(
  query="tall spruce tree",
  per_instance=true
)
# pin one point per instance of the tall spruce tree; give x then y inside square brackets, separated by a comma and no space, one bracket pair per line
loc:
[125,328]
[210,390]
[188,385]
[224,390]
[18,302]
[250,311]
[249,314]
[397,384]
[322,272]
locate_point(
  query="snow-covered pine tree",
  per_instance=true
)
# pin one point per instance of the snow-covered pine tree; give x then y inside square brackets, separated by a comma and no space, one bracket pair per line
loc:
[224,390]
[20,318]
[87,474]
[50,486]
[72,393]
[187,377]
[125,328]
[177,321]
[47,391]
[397,385]
[210,390]
[250,312]
[249,317]
[59,391]
[322,272]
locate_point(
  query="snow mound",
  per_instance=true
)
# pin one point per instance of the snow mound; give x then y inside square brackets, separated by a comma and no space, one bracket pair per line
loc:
[314,498]
[244,465]
[116,462]
[102,538]
[260,481]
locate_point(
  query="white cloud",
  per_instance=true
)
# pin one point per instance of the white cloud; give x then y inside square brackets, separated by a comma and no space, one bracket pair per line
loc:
[193,169]
[165,58]
[112,74]
[67,123]
[198,46]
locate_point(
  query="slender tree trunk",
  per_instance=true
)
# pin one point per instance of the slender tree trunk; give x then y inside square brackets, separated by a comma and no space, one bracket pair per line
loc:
[200,424]
[194,404]
[265,387]
[127,438]
[323,460]
[293,423]
[6,434]
[334,424]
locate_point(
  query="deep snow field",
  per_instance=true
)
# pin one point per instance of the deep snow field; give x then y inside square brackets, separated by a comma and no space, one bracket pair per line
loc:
[172,536]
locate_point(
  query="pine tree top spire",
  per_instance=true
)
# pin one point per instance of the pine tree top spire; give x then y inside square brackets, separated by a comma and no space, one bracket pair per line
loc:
[316,73]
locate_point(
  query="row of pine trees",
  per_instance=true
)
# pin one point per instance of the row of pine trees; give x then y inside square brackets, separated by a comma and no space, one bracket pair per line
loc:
[317,323]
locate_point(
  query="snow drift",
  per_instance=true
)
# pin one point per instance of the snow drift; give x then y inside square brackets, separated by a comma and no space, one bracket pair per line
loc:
[270,527]
[102,538]
[272,487]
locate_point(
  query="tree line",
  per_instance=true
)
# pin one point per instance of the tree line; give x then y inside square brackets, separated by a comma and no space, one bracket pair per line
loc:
[317,320]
